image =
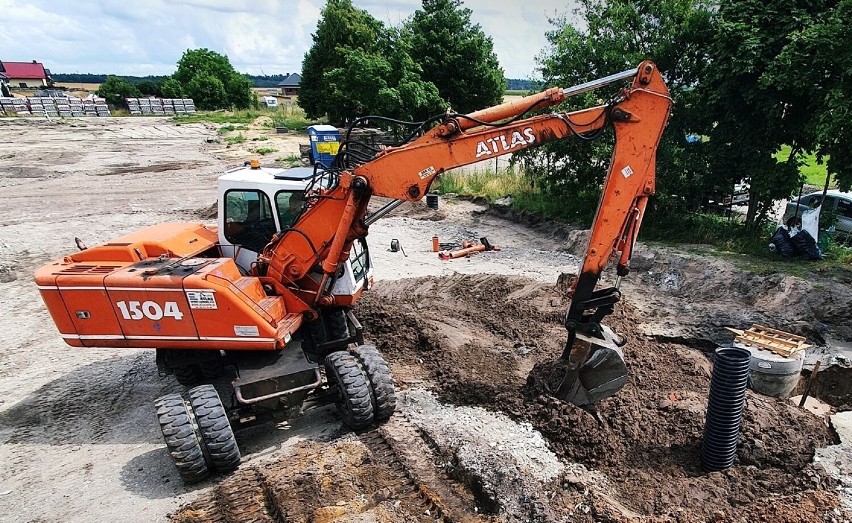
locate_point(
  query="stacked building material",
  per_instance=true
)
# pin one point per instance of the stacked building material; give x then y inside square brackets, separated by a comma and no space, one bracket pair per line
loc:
[63,107]
[42,106]
[89,107]
[160,106]
[157,107]
[15,106]
[133,106]
[35,106]
[101,107]
[76,105]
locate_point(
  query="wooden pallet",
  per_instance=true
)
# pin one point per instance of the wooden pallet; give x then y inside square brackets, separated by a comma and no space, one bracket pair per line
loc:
[779,342]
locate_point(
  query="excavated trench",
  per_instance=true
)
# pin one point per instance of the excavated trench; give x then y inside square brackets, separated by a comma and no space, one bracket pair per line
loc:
[477,337]
[475,440]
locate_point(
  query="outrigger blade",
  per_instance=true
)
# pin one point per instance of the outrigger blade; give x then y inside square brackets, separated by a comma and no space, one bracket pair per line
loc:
[595,369]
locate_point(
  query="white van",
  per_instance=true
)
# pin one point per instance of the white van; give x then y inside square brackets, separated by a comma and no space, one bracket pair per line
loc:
[269,101]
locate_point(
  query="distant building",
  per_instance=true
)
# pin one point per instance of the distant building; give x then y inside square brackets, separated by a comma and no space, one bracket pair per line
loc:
[290,85]
[26,74]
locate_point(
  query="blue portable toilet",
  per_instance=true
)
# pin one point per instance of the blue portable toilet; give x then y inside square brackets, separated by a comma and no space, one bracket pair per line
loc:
[325,141]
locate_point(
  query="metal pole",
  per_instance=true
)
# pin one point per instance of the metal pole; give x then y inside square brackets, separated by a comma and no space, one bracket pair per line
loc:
[798,200]
[369,220]
[600,82]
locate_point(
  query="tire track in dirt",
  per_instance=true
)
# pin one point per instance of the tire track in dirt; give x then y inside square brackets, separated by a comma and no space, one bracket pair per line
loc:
[386,473]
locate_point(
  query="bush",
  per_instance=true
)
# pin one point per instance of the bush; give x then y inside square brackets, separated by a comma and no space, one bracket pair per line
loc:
[116,89]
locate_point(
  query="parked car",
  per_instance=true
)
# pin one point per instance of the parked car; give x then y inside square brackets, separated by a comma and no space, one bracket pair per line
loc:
[839,202]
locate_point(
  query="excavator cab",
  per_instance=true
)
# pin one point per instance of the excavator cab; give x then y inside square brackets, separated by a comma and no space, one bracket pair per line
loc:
[258,202]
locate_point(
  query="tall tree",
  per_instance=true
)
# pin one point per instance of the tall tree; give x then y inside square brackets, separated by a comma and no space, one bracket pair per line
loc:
[817,60]
[341,27]
[456,55]
[195,70]
[207,91]
[617,36]
[116,89]
[357,67]
[775,79]
[171,88]
[386,82]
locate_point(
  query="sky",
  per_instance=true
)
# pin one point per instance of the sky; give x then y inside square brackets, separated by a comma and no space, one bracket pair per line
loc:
[139,38]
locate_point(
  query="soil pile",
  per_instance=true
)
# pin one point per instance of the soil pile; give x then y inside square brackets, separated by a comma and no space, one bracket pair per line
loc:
[477,337]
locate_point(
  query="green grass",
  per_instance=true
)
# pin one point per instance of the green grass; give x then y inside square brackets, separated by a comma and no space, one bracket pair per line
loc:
[293,158]
[263,151]
[515,92]
[813,171]
[261,138]
[290,116]
[482,183]
[231,140]
[225,117]
[227,128]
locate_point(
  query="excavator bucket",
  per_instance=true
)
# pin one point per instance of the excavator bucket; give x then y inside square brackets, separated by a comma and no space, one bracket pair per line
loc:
[603,374]
[593,370]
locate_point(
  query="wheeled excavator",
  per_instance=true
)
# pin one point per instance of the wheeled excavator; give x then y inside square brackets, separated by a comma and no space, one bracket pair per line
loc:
[270,289]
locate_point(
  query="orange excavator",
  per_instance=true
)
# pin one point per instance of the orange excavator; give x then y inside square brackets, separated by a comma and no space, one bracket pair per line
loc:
[270,289]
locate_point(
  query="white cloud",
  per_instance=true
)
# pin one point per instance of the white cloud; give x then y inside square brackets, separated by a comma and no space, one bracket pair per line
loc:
[136,37]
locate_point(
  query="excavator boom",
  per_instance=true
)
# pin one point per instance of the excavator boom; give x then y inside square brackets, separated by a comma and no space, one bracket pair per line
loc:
[638,116]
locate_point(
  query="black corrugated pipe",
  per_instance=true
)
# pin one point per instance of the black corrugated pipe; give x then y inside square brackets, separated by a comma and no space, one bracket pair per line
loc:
[725,408]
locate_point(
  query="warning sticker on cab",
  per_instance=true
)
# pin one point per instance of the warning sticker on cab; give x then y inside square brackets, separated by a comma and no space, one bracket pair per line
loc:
[201,299]
[246,330]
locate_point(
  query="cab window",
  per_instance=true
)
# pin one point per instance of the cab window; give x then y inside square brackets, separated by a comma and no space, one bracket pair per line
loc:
[289,205]
[360,259]
[248,219]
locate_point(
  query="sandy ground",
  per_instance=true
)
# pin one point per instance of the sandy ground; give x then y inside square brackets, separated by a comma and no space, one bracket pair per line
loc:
[78,441]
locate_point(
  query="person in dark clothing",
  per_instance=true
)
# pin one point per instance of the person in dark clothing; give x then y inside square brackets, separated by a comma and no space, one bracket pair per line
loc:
[791,240]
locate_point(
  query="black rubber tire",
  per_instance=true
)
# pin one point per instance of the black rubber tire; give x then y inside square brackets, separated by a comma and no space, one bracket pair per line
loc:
[381,381]
[316,331]
[216,433]
[335,324]
[355,405]
[181,438]
[212,366]
[187,374]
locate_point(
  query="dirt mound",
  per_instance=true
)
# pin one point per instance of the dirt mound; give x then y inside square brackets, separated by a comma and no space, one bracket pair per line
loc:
[680,289]
[477,337]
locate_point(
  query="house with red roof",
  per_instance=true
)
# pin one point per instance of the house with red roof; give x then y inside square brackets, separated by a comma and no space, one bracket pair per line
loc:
[25,74]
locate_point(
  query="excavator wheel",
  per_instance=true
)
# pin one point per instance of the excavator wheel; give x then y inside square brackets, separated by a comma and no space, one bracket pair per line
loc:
[382,389]
[187,374]
[181,438]
[212,367]
[336,324]
[355,403]
[214,427]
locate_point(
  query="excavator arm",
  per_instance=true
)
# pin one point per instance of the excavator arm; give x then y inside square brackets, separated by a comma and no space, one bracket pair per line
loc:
[320,239]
